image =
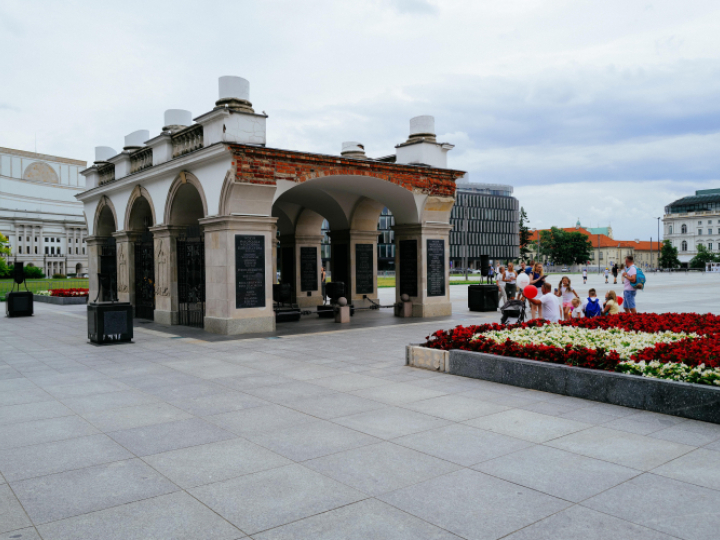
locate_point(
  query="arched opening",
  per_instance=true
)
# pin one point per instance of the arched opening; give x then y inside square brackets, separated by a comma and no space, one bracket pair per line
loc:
[106,254]
[684,245]
[683,229]
[187,208]
[141,273]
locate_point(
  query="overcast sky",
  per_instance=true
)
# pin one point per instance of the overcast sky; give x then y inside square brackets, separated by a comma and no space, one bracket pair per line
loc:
[603,111]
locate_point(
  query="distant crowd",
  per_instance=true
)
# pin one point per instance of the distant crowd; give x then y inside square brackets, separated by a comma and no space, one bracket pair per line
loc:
[563,302]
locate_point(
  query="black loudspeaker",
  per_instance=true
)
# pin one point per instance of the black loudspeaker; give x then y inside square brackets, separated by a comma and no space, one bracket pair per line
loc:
[19,273]
[484,265]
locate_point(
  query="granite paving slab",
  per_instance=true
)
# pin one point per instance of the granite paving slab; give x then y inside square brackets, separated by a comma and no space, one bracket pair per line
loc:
[263,500]
[390,422]
[12,515]
[43,431]
[528,425]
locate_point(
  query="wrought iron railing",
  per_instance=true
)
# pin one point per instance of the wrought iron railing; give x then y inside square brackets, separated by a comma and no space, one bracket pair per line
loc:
[187,140]
[141,159]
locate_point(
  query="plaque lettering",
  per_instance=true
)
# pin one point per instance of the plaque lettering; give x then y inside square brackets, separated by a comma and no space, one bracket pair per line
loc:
[249,271]
[436,268]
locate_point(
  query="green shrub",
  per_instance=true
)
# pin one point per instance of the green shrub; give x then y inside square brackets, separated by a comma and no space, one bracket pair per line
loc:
[59,276]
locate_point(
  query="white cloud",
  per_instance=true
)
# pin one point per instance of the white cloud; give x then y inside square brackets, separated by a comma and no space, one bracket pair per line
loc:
[531,92]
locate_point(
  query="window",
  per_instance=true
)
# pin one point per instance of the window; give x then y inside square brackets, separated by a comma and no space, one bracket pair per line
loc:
[709,221]
[47,250]
[46,239]
[52,250]
[57,240]
[83,251]
[35,250]
[700,232]
[670,229]
[19,249]
[28,239]
[699,222]
[709,231]
[52,239]
[683,229]
[684,244]
[710,246]
[36,239]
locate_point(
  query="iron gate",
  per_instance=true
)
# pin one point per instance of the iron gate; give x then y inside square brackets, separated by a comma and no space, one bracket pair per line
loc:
[191,277]
[108,270]
[145,277]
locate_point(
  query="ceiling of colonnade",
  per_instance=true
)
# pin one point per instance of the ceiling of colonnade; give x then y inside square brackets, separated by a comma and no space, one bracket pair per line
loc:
[336,198]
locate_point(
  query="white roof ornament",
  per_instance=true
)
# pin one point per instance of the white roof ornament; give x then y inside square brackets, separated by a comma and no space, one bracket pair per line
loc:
[103,153]
[422,127]
[136,139]
[353,150]
[234,93]
[176,119]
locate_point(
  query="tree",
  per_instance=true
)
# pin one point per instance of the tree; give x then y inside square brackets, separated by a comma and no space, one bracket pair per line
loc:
[668,256]
[4,252]
[565,247]
[702,258]
[525,247]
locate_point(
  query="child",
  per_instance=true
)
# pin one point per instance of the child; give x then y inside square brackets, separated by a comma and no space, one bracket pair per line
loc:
[592,306]
[584,276]
[611,305]
[607,275]
[567,293]
[577,312]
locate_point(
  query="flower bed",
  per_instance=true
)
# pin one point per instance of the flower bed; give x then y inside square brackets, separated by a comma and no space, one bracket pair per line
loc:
[68,293]
[677,346]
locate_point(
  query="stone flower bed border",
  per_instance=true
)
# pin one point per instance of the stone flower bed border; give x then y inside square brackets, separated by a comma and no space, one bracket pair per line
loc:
[695,401]
[587,373]
[60,300]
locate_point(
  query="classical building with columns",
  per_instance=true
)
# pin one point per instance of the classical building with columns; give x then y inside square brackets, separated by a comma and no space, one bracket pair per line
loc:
[196,222]
[39,213]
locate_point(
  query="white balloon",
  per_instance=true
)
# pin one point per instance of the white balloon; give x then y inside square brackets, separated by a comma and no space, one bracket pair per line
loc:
[523,280]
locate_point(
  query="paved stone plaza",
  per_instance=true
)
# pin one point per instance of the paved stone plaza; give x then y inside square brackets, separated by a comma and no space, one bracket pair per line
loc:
[330,436]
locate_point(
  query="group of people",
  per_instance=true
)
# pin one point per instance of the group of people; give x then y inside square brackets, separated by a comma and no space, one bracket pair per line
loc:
[564,302]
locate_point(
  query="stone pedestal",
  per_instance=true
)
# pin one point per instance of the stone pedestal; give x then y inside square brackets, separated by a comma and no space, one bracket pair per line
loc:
[427,301]
[342,314]
[357,254]
[126,265]
[166,273]
[226,312]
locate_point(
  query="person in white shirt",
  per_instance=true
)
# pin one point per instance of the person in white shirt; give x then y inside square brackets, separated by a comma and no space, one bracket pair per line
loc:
[509,279]
[584,276]
[499,277]
[577,311]
[550,306]
[629,277]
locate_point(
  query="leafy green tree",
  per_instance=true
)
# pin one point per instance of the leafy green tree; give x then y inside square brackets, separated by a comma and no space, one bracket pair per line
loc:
[702,258]
[525,248]
[565,247]
[669,256]
[4,252]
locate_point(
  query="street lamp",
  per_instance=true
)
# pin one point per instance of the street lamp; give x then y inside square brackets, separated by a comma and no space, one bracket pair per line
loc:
[658,245]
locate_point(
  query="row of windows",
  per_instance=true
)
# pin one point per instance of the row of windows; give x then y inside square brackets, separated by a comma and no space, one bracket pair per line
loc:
[684,246]
[482,239]
[484,226]
[483,201]
[697,207]
[493,252]
[50,240]
[49,250]
[463,213]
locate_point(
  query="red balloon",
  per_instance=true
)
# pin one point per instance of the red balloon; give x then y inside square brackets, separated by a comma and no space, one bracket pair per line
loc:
[620,300]
[530,291]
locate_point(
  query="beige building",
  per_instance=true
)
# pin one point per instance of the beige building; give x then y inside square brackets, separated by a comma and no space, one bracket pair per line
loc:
[39,212]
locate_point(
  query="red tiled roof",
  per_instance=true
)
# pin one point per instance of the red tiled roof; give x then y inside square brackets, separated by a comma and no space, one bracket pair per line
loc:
[605,241]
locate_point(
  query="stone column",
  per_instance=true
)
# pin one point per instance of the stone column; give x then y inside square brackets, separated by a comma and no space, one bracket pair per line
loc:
[126,265]
[426,302]
[166,273]
[358,295]
[93,253]
[225,311]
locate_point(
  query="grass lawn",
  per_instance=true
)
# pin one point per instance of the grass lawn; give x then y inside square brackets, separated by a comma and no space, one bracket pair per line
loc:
[35,285]
[390,281]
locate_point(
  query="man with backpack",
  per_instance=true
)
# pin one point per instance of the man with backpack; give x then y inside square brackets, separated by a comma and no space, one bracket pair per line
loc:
[631,283]
[592,306]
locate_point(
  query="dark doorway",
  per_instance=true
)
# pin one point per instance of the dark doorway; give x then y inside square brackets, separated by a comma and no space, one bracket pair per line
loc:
[145,277]
[191,277]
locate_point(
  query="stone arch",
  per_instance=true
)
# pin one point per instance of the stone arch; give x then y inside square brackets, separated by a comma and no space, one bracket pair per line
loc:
[105,222]
[366,214]
[186,202]
[308,223]
[139,204]
[41,172]
[240,198]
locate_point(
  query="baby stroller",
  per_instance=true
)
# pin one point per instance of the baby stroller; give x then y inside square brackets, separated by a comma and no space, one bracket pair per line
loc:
[513,312]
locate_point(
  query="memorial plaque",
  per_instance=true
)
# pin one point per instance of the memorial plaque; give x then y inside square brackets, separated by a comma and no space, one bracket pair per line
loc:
[436,268]
[114,322]
[364,269]
[408,268]
[249,271]
[308,269]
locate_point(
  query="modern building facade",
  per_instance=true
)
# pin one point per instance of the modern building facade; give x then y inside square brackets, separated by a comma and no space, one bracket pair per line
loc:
[693,221]
[39,213]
